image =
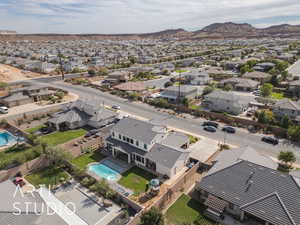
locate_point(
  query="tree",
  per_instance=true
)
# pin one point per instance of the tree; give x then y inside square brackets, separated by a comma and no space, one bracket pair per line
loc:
[152,217]
[285,122]
[228,87]
[57,156]
[168,84]
[274,80]
[294,133]
[287,158]
[266,117]
[92,72]
[266,89]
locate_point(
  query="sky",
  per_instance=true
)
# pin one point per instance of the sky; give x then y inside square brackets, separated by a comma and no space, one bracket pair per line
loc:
[140,16]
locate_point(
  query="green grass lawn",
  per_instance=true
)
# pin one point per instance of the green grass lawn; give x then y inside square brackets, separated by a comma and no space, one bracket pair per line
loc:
[83,160]
[180,71]
[47,176]
[195,107]
[185,211]
[136,179]
[18,154]
[34,129]
[193,139]
[61,137]
[276,95]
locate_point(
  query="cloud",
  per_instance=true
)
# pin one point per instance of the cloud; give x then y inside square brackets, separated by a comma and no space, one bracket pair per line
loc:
[132,16]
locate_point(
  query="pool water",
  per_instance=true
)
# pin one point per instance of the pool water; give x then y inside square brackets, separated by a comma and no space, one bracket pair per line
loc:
[104,171]
[7,138]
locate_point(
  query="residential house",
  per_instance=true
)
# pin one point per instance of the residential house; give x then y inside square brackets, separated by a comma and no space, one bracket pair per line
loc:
[229,102]
[175,93]
[247,186]
[80,114]
[263,67]
[287,107]
[257,76]
[148,146]
[240,84]
[294,88]
[196,77]
[120,76]
[18,208]
[26,94]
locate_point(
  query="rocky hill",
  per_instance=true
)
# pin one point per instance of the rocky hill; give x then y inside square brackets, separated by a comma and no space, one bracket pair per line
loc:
[213,31]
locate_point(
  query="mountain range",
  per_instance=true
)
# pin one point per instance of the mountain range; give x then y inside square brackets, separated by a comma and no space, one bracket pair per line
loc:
[212,31]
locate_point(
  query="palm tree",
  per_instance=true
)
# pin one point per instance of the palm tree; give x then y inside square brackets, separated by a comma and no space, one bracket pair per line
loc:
[287,158]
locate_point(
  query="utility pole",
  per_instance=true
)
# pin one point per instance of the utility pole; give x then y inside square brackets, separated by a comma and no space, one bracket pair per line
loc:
[179,94]
[61,65]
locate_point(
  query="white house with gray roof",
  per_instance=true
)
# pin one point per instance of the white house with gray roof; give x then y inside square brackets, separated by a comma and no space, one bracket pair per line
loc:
[246,185]
[229,102]
[286,107]
[149,146]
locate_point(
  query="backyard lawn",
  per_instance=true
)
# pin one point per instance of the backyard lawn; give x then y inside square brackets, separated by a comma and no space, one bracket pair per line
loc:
[34,129]
[18,154]
[185,211]
[180,71]
[61,137]
[83,160]
[47,176]
[136,179]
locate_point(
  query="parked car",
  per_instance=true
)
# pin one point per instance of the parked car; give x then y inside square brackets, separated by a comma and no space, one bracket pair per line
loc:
[210,128]
[270,140]
[3,109]
[18,181]
[116,107]
[228,129]
[91,133]
[210,123]
[46,130]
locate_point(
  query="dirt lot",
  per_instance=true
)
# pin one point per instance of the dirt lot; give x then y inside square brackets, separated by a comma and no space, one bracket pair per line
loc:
[9,74]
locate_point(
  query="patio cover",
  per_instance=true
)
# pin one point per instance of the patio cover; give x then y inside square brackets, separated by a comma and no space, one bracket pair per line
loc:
[215,203]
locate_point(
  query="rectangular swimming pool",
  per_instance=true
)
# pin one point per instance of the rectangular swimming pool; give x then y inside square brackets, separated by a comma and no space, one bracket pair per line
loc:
[104,172]
[7,138]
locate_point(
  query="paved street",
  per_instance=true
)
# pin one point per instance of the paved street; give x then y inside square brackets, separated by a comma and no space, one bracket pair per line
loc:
[295,69]
[241,138]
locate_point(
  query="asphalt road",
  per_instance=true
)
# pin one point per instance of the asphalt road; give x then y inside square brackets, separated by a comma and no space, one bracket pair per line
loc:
[241,138]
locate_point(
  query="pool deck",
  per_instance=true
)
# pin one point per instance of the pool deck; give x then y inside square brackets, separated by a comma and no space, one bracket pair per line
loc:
[114,183]
[4,147]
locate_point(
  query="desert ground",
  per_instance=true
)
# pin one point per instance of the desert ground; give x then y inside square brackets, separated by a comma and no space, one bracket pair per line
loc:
[10,74]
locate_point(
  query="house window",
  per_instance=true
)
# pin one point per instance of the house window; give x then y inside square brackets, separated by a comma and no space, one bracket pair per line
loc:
[145,146]
[131,141]
[124,138]
[139,158]
[120,137]
[231,206]
[113,134]
[127,140]
[137,143]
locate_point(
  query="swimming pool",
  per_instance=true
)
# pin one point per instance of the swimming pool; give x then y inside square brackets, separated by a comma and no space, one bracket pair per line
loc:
[104,171]
[7,138]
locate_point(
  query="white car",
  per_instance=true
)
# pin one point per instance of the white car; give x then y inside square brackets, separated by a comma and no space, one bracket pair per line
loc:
[116,107]
[3,109]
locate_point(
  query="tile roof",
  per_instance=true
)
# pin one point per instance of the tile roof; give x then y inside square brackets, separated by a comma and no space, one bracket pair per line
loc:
[261,191]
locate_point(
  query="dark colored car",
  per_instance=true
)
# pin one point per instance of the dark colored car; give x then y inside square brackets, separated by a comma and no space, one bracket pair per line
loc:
[228,129]
[210,123]
[270,140]
[46,130]
[210,128]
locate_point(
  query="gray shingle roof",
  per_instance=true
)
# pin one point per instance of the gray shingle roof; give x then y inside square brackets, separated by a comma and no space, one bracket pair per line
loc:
[137,129]
[252,187]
